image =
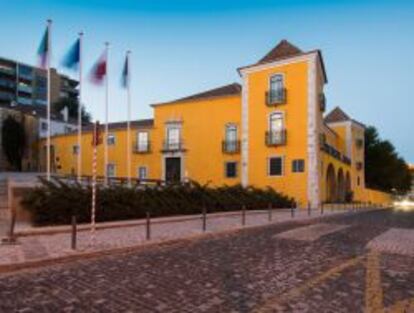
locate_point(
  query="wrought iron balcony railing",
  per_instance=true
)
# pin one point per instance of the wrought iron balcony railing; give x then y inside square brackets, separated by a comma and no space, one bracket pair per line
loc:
[322,102]
[173,146]
[141,147]
[230,146]
[276,97]
[275,138]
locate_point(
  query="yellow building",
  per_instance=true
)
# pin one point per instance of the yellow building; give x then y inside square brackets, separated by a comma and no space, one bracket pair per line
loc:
[270,130]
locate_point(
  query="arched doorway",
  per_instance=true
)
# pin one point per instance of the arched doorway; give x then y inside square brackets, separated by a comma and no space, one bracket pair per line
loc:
[348,186]
[330,184]
[341,186]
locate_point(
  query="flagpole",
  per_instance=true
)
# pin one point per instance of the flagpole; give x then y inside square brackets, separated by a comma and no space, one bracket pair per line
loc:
[49,56]
[129,147]
[80,109]
[106,112]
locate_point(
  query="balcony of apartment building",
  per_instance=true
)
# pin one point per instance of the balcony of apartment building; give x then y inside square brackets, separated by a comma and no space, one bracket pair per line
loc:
[276,138]
[7,84]
[8,69]
[25,88]
[25,100]
[141,147]
[7,96]
[25,73]
[230,146]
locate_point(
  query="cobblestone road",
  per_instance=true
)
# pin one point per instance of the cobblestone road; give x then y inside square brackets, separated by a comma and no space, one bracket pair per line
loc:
[252,270]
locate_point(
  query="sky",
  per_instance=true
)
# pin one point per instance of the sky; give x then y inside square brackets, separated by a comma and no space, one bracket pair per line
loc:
[180,47]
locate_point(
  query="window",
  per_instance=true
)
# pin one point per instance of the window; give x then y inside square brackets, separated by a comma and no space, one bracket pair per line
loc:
[68,129]
[231,138]
[111,139]
[142,172]
[143,143]
[359,181]
[276,133]
[231,169]
[75,149]
[298,166]
[275,166]
[110,170]
[277,90]
[43,126]
[173,137]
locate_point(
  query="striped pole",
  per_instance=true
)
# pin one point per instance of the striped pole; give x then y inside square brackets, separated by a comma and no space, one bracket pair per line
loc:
[48,108]
[79,159]
[94,161]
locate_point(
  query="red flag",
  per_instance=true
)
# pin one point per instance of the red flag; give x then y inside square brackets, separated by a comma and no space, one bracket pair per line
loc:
[98,71]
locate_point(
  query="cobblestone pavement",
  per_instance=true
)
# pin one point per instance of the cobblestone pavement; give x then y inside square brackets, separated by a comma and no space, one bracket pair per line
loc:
[34,248]
[250,270]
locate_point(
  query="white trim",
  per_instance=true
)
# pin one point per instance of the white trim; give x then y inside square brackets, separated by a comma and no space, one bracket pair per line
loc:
[146,169]
[112,164]
[261,67]
[313,135]
[349,140]
[283,158]
[245,132]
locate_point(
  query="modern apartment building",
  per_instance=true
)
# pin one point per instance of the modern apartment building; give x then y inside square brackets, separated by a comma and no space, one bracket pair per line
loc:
[27,85]
[270,130]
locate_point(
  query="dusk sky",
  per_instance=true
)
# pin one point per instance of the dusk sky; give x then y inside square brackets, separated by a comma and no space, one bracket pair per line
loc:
[180,47]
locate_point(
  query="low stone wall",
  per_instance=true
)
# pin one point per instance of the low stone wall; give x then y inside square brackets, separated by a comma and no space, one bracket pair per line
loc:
[377,197]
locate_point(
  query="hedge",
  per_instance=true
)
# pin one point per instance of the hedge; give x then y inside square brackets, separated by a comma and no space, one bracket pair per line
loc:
[54,202]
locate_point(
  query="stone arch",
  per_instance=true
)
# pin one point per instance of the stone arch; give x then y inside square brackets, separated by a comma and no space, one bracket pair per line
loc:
[341,191]
[330,183]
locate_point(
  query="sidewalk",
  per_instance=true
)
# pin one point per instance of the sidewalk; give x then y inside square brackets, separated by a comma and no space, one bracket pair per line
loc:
[35,245]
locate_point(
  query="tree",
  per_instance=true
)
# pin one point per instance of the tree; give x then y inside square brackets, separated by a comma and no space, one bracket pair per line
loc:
[384,168]
[13,142]
[72,105]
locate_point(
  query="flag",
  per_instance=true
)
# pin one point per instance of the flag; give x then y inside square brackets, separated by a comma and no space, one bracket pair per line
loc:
[43,50]
[98,71]
[72,57]
[125,73]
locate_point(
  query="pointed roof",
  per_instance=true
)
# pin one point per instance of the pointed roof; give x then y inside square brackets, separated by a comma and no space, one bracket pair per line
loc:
[227,90]
[282,50]
[337,115]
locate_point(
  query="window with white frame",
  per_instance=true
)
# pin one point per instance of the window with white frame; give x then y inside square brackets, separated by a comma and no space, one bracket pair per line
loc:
[276,133]
[111,170]
[277,88]
[143,141]
[275,166]
[231,138]
[142,172]
[173,136]
[111,139]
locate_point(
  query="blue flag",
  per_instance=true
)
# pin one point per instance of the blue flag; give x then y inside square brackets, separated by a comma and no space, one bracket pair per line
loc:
[125,73]
[43,49]
[72,57]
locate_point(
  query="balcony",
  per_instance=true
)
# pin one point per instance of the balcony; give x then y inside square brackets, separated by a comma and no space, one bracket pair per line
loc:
[26,76]
[7,84]
[6,96]
[25,88]
[230,147]
[173,146]
[322,102]
[7,70]
[275,138]
[276,97]
[25,101]
[141,148]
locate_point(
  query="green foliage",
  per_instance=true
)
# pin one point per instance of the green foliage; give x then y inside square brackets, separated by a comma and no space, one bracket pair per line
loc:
[54,202]
[72,105]
[384,168]
[13,142]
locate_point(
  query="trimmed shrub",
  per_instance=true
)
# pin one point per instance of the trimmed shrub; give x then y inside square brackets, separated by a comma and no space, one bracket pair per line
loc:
[55,201]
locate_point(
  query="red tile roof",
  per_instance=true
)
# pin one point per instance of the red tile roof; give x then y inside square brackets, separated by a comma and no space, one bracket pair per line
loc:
[282,50]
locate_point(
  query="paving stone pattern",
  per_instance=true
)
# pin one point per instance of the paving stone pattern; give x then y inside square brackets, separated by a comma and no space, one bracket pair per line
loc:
[242,271]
